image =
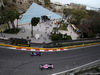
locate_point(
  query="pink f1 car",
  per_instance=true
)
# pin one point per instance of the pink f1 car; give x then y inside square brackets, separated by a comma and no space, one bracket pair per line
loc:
[46,66]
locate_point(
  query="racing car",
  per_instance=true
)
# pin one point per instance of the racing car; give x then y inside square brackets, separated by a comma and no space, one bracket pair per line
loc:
[36,54]
[46,66]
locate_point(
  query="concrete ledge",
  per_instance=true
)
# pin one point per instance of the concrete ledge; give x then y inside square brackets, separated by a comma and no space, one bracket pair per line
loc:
[3,38]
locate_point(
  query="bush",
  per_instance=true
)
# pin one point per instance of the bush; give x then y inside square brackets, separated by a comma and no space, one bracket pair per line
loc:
[12,31]
[63,26]
[56,37]
[97,69]
[19,42]
[69,38]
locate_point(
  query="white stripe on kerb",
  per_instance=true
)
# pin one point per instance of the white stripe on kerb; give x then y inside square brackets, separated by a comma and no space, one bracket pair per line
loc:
[23,49]
[32,49]
[65,49]
[12,48]
[42,50]
[50,50]
[58,50]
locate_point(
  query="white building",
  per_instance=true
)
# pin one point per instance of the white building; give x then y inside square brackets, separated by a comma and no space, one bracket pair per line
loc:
[57,6]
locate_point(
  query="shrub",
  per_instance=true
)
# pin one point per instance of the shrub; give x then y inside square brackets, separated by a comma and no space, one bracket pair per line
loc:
[69,38]
[97,69]
[12,31]
[56,37]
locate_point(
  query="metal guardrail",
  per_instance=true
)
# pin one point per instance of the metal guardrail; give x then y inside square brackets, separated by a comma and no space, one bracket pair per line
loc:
[80,68]
[4,40]
[66,41]
[70,43]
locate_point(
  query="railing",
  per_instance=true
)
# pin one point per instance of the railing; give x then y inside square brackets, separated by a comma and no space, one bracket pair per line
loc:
[66,41]
[71,42]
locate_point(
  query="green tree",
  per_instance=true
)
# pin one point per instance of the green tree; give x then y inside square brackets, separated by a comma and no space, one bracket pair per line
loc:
[55,30]
[79,14]
[85,27]
[91,25]
[92,13]
[12,17]
[5,19]
[96,24]
[34,22]
[94,17]
[65,12]
[17,16]
[47,3]
[37,1]
[2,7]
[11,14]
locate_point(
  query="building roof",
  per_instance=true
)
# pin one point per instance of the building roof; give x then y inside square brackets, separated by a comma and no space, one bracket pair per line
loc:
[57,3]
[36,10]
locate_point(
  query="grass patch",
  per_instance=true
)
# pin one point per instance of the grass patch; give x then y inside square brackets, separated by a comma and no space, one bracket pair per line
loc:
[63,26]
[69,37]
[4,26]
[12,31]
[97,69]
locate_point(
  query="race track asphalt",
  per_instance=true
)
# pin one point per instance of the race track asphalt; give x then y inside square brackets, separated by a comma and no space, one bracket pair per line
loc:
[17,62]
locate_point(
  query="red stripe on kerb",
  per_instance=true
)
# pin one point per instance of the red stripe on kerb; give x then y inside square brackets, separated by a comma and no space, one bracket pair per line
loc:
[28,49]
[19,48]
[54,49]
[46,50]
[61,49]
[37,49]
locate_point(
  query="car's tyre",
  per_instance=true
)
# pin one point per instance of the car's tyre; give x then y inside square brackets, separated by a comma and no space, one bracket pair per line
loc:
[50,64]
[41,68]
[50,67]
[32,55]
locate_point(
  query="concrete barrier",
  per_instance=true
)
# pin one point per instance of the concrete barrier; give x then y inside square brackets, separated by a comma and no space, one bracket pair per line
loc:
[80,68]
